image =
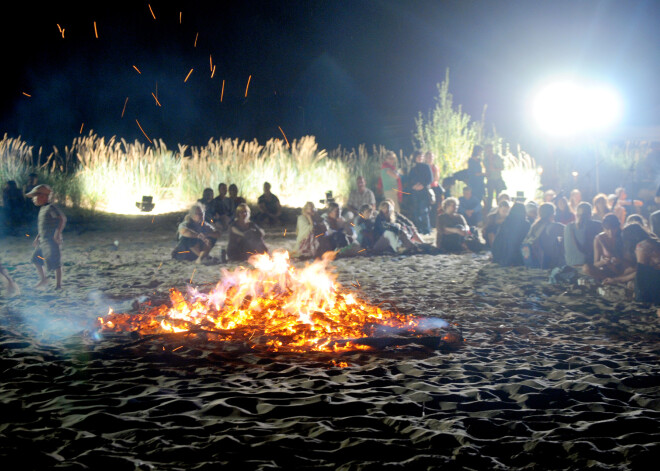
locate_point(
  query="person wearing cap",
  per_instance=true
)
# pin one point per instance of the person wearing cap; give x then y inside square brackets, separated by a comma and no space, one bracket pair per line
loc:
[50,222]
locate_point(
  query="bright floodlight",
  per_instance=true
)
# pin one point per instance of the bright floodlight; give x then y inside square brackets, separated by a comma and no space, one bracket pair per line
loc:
[566,108]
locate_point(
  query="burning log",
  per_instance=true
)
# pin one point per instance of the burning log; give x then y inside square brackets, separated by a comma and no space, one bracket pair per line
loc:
[278,308]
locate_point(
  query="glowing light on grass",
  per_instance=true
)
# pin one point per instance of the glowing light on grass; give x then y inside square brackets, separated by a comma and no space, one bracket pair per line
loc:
[30,96]
[155,98]
[567,108]
[521,174]
[138,70]
[61,30]
[222,93]
[81,128]
[152,12]
[196,36]
[96,32]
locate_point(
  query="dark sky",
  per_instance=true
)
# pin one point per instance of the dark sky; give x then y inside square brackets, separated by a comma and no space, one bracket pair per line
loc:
[348,72]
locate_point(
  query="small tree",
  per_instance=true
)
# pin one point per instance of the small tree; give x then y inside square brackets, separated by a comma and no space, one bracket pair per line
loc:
[447,132]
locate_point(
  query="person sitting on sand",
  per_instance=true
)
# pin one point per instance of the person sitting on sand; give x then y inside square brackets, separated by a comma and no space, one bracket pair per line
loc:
[308,226]
[600,207]
[452,228]
[563,213]
[358,198]
[338,233]
[470,207]
[196,237]
[12,287]
[543,246]
[622,205]
[508,240]
[637,219]
[390,235]
[494,221]
[608,259]
[50,223]
[270,209]
[232,202]
[643,249]
[579,237]
[208,202]
[221,205]
[245,237]
[366,227]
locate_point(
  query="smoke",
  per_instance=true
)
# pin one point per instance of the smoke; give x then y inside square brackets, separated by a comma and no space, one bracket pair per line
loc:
[433,323]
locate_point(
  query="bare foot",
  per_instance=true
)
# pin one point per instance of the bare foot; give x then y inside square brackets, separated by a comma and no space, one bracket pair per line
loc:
[42,283]
[198,261]
[13,289]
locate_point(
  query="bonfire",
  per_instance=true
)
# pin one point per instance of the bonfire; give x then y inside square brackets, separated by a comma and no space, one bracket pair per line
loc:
[277,307]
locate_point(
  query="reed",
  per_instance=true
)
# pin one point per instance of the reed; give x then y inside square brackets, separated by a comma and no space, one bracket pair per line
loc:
[111,175]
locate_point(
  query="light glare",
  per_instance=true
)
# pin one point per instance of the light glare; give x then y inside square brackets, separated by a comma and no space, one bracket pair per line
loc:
[566,108]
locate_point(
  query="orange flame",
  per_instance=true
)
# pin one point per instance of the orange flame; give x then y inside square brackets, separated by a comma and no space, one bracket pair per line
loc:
[274,305]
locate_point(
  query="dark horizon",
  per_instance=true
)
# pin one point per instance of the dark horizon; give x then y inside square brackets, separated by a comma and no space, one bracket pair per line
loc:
[346,72]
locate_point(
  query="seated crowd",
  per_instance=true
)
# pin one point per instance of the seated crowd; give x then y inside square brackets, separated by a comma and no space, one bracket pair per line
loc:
[597,239]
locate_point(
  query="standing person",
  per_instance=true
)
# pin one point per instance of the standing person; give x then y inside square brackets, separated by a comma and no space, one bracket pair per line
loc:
[419,180]
[437,189]
[508,240]
[390,180]
[579,237]
[359,197]
[245,237]
[270,209]
[494,181]
[50,223]
[475,174]
[12,287]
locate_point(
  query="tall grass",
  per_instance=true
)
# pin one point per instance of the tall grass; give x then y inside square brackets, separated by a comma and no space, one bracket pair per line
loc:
[112,175]
[448,132]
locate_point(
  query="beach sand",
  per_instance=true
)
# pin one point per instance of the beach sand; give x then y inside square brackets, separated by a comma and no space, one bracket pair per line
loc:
[548,377]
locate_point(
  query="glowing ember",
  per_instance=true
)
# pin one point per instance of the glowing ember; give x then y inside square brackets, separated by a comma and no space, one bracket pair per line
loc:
[273,306]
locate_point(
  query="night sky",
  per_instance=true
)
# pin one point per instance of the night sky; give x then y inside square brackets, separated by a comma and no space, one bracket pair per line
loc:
[348,72]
